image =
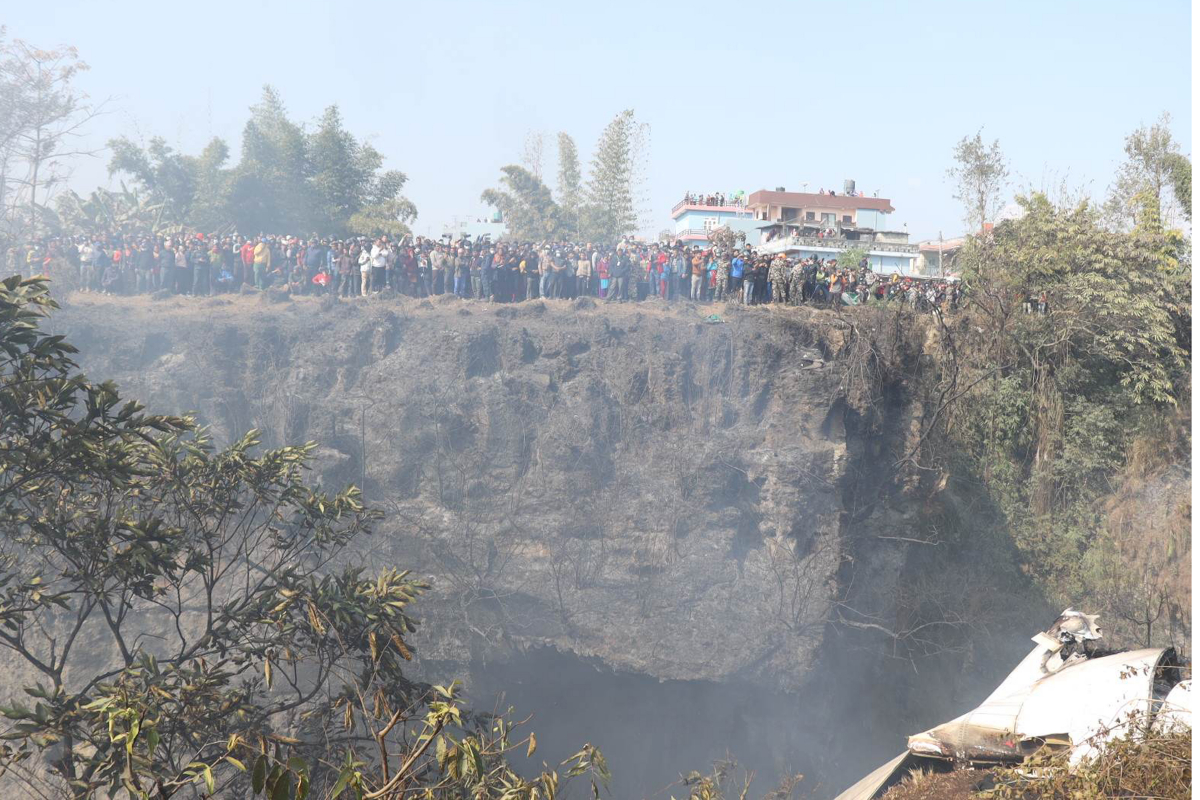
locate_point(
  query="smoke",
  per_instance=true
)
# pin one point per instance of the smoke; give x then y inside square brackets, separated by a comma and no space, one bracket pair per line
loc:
[652,732]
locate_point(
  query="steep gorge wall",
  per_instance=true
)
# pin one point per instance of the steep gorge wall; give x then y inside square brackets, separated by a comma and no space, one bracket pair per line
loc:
[650,492]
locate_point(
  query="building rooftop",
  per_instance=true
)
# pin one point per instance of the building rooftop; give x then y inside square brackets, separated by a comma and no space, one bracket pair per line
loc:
[806,199]
[933,245]
[684,205]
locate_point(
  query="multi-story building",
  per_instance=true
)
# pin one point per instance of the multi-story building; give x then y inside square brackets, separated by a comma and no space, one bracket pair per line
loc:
[826,224]
[697,216]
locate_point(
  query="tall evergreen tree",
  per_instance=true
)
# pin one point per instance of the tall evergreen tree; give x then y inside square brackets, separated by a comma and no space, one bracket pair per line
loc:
[609,213]
[340,172]
[270,189]
[569,189]
[210,205]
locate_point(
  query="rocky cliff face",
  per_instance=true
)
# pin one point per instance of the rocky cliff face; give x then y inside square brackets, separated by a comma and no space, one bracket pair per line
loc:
[657,495]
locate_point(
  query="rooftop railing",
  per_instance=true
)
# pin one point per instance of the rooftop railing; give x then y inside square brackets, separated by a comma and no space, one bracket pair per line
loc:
[838,243]
[696,202]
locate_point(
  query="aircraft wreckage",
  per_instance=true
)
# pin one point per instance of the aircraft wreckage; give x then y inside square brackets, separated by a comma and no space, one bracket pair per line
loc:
[1068,695]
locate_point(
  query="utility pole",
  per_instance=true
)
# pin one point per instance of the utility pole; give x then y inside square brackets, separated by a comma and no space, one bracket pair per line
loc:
[941,258]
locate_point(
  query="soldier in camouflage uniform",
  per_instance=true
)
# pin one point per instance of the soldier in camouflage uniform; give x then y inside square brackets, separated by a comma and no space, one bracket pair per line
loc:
[796,283]
[722,287]
[778,276]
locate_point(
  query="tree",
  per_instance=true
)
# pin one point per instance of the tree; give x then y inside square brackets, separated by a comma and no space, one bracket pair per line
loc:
[334,179]
[270,188]
[981,173]
[1151,165]
[210,209]
[1181,181]
[343,178]
[104,210]
[532,155]
[232,647]
[166,176]
[1056,397]
[11,112]
[852,257]
[608,212]
[528,208]
[569,189]
[390,218]
[46,114]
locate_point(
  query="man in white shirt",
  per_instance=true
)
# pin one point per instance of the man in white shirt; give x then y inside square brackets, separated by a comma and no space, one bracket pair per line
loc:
[379,259]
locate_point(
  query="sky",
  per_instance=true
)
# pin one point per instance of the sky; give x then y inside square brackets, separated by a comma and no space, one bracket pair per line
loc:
[737,96]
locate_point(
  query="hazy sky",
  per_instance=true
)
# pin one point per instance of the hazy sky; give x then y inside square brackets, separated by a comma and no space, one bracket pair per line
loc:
[737,95]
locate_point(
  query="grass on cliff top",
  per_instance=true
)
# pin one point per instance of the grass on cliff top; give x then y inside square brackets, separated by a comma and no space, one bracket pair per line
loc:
[1157,766]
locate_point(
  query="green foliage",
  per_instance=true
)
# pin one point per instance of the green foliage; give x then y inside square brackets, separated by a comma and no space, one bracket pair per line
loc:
[270,183]
[602,211]
[981,173]
[276,666]
[1152,165]
[608,211]
[528,209]
[105,210]
[168,177]
[1180,167]
[727,781]
[326,182]
[346,182]
[1055,400]
[41,114]
[852,257]
[390,217]
[570,191]
[1138,764]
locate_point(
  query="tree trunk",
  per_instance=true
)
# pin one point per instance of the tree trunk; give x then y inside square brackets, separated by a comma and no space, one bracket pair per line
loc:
[1048,419]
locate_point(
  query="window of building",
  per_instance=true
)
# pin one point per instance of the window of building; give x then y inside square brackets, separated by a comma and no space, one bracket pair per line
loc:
[810,215]
[710,223]
[828,218]
[847,218]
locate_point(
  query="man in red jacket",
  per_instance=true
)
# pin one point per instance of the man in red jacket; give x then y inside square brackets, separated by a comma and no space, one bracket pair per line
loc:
[247,252]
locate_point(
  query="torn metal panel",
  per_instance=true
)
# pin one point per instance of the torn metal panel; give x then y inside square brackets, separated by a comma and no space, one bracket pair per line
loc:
[882,778]
[1175,712]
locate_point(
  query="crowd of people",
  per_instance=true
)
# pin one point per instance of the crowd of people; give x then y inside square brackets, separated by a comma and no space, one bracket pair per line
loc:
[502,271]
[737,200]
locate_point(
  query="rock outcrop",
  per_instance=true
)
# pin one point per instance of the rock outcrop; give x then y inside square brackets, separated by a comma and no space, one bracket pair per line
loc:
[657,492]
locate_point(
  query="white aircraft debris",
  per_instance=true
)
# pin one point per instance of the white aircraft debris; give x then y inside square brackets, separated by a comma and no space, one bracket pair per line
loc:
[1067,695]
